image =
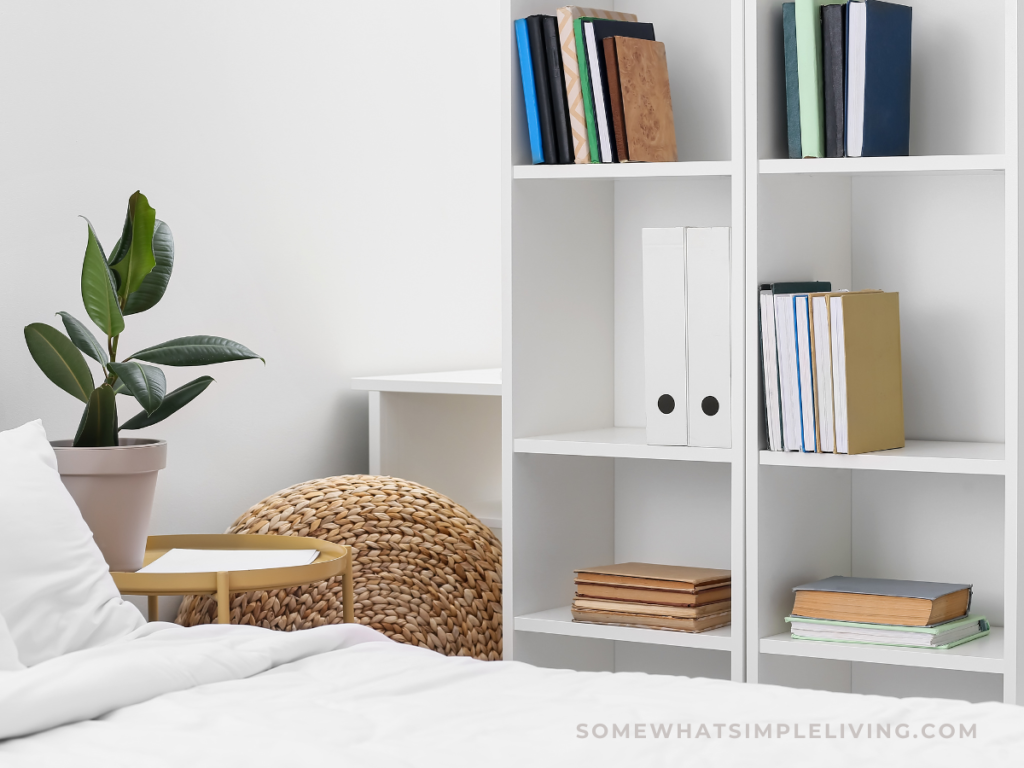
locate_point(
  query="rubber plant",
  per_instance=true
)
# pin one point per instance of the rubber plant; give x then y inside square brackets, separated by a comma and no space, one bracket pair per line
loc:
[132,280]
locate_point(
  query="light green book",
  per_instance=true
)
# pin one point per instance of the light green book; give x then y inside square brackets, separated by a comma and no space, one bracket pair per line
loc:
[939,637]
[588,94]
[811,79]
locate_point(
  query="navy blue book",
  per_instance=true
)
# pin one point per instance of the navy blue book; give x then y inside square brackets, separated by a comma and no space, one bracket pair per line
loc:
[877,79]
[529,91]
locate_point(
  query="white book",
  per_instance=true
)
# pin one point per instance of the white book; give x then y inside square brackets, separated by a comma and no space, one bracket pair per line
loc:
[664,285]
[770,363]
[823,374]
[215,560]
[789,388]
[597,83]
[856,42]
[708,337]
[805,370]
[839,374]
[853,633]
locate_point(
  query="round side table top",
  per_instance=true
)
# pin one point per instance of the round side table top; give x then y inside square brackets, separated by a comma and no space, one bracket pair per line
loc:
[333,560]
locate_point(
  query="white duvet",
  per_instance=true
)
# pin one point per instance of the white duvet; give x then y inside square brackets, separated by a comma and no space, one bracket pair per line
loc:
[346,696]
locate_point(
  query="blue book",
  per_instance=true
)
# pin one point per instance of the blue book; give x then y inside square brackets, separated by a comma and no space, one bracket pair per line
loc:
[792,80]
[805,372]
[878,79]
[529,91]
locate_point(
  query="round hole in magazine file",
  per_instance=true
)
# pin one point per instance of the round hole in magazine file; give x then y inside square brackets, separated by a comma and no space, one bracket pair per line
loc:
[709,405]
[666,404]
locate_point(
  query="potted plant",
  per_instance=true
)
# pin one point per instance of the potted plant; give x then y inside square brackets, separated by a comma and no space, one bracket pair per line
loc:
[113,479]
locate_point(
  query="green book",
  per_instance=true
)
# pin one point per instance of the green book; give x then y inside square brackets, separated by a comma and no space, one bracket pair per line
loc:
[809,72]
[938,637]
[792,80]
[588,94]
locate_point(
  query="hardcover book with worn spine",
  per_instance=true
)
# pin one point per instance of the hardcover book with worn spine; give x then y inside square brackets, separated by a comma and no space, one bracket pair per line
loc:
[573,90]
[882,601]
[833,53]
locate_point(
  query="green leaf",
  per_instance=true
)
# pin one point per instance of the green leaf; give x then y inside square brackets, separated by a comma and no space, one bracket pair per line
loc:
[196,350]
[83,338]
[153,285]
[145,382]
[175,400]
[120,388]
[59,359]
[98,428]
[134,258]
[98,292]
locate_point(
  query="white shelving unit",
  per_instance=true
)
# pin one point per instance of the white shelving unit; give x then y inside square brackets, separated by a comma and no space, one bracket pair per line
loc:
[442,430]
[582,487]
[940,227]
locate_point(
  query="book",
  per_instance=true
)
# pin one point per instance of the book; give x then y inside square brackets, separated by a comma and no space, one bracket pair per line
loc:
[702,624]
[770,370]
[556,80]
[821,353]
[808,53]
[653,596]
[603,29]
[654,576]
[611,65]
[808,286]
[604,134]
[542,83]
[878,79]
[664,295]
[529,91]
[789,373]
[805,372]
[943,636]
[214,560]
[709,423]
[586,88]
[792,80]
[646,100]
[647,609]
[882,601]
[573,90]
[833,62]
[867,372]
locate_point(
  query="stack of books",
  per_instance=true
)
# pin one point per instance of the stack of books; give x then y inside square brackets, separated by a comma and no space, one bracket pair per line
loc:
[833,380]
[917,614]
[596,88]
[653,596]
[847,78]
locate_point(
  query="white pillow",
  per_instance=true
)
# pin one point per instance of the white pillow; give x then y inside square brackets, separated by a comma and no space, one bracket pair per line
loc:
[8,652]
[56,591]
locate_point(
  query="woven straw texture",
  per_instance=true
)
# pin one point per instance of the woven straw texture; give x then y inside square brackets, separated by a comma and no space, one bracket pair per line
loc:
[426,571]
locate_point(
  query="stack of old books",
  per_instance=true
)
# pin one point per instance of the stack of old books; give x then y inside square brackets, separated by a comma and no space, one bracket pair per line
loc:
[917,614]
[654,596]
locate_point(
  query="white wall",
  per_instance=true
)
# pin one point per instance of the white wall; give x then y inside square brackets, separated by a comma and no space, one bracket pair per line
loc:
[330,170]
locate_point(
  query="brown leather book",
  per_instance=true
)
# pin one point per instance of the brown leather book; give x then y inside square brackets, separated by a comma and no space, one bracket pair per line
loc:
[646,100]
[644,609]
[611,66]
[653,596]
[702,624]
[881,609]
[652,576]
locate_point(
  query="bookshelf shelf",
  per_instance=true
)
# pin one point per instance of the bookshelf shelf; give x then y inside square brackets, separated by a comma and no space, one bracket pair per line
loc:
[982,655]
[627,170]
[558,621]
[922,165]
[918,456]
[485,381]
[618,443]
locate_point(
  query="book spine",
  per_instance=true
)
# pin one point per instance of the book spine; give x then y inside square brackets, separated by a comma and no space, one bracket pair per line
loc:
[556,84]
[573,91]
[611,64]
[887,53]
[529,91]
[833,63]
[792,80]
[540,80]
[597,87]
[808,53]
[588,96]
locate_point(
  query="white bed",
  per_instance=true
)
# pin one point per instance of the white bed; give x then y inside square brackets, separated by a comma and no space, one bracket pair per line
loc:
[345,695]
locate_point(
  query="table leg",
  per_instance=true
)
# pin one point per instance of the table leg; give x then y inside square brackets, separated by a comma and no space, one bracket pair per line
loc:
[346,590]
[223,599]
[154,608]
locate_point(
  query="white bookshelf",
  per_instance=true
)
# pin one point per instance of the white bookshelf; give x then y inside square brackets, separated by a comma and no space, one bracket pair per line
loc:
[582,487]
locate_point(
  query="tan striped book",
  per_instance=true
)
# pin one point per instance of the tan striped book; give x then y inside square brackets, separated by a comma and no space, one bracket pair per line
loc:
[652,596]
[573,89]
[702,624]
[671,611]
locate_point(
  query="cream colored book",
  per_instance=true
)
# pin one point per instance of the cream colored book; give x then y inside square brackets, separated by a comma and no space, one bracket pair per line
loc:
[570,65]
[647,609]
[702,624]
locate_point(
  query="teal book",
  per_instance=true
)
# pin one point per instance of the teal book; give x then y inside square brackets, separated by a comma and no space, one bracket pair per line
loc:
[792,80]
[809,71]
[938,637]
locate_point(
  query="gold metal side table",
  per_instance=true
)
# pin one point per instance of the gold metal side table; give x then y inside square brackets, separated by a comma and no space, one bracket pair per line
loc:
[333,560]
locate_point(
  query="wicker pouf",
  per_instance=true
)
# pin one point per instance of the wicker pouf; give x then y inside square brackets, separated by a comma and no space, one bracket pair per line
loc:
[426,571]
